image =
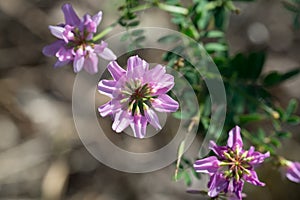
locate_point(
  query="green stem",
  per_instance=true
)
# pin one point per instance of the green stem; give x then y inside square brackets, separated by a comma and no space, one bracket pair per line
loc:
[173,9]
[104,32]
[141,7]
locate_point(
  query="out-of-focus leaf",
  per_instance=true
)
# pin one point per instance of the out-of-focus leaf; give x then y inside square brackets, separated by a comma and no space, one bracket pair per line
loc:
[291,6]
[137,32]
[291,108]
[255,64]
[140,39]
[133,23]
[124,37]
[215,47]
[249,118]
[274,78]
[215,34]
[275,142]
[169,39]
[293,120]
[283,134]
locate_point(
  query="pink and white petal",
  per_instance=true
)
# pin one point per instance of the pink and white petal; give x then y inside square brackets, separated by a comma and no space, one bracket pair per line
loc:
[91,63]
[107,87]
[64,54]
[235,140]
[107,54]
[164,103]
[207,165]
[138,126]
[61,63]
[52,49]
[70,15]
[78,63]
[57,31]
[105,109]
[68,33]
[121,121]
[136,67]
[99,48]
[97,18]
[155,74]
[115,70]
[152,118]
[253,179]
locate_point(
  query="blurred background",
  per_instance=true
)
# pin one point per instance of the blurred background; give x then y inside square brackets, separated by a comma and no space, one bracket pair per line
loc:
[41,156]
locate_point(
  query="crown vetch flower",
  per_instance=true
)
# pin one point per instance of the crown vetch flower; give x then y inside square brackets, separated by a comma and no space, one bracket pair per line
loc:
[291,170]
[231,166]
[136,94]
[75,45]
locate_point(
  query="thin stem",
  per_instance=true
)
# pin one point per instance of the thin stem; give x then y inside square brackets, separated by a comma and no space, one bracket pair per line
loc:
[141,7]
[104,32]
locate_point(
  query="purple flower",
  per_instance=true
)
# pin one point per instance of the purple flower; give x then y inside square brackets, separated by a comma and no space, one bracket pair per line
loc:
[291,170]
[75,45]
[136,94]
[231,167]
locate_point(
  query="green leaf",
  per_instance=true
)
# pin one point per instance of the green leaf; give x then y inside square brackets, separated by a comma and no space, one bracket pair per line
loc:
[283,134]
[215,47]
[215,34]
[274,78]
[168,39]
[275,142]
[140,39]
[249,118]
[255,64]
[293,120]
[291,6]
[124,37]
[187,178]
[133,23]
[137,32]
[291,108]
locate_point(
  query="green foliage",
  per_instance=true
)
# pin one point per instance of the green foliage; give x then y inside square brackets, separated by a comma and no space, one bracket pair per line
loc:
[249,101]
[294,7]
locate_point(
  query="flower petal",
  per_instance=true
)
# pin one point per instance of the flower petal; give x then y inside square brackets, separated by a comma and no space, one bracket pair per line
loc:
[64,54]
[253,179]
[107,87]
[164,85]
[115,70]
[71,17]
[139,126]
[257,157]
[217,184]
[61,63]
[91,63]
[238,188]
[121,121]
[57,31]
[136,67]
[97,18]
[164,103]
[218,150]
[107,54]
[78,63]
[52,49]
[155,74]
[152,118]
[293,171]
[235,140]
[105,109]
[207,165]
